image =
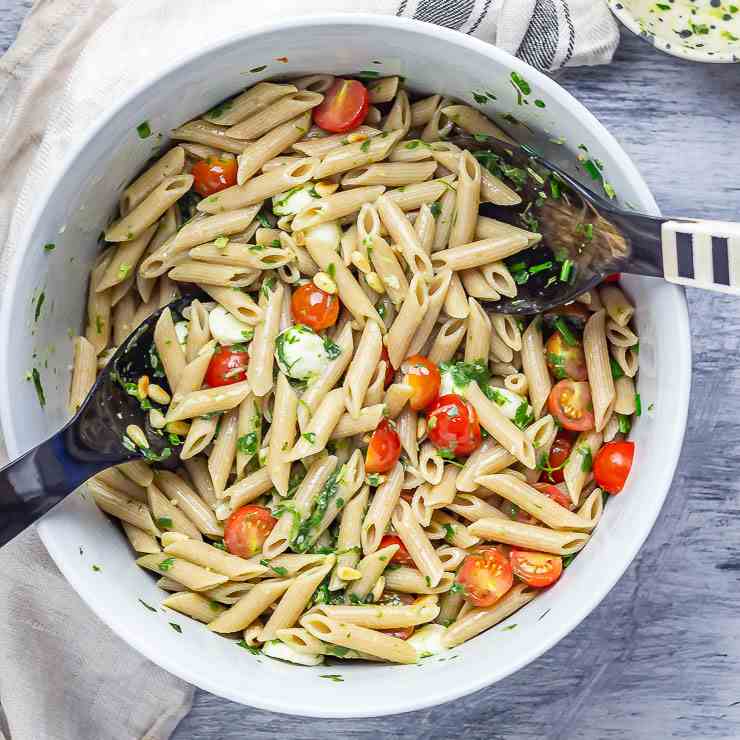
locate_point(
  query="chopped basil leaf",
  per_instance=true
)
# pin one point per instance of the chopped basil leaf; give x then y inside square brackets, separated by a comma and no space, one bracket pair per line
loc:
[151,608]
[164,522]
[243,644]
[166,564]
[50,247]
[144,130]
[175,626]
[638,405]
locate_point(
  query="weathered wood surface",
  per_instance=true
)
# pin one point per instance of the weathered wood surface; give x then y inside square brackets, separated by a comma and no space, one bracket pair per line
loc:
[660,657]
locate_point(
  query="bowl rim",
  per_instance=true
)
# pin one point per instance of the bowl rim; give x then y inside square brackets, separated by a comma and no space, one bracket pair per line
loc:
[630,21]
[123,627]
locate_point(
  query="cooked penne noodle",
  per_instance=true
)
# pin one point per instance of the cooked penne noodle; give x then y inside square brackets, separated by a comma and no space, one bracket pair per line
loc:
[250,606]
[479,619]
[189,502]
[364,640]
[319,428]
[405,237]
[600,379]
[361,368]
[411,581]
[407,322]
[616,305]
[213,559]
[371,569]
[140,540]
[479,252]
[262,348]
[383,90]
[448,339]
[474,122]
[209,401]
[258,188]
[417,543]
[248,103]
[391,174]
[122,507]
[148,212]
[528,536]
[84,370]
[358,154]
[381,616]
[189,575]
[222,457]
[286,108]
[381,507]
[437,290]
[535,367]
[578,466]
[282,434]
[349,544]
[478,335]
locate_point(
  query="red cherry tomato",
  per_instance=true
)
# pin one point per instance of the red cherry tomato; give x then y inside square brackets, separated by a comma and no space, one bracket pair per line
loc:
[384,449]
[613,278]
[485,576]
[247,529]
[612,465]
[555,494]
[213,174]
[227,367]
[559,453]
[453,425]
[537,569]
[570,403]
[565,360]
[314,307]
[396,598]
[389,373]
[402,556]
[343,108]
[423,377]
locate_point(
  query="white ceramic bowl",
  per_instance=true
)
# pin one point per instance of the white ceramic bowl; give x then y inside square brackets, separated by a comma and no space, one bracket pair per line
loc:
[432,59]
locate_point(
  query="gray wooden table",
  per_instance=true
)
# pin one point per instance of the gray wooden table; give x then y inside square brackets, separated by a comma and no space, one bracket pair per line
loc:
[660,657]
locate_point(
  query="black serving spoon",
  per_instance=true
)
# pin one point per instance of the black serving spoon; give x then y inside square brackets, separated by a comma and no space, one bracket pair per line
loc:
[95,439]
[586,237]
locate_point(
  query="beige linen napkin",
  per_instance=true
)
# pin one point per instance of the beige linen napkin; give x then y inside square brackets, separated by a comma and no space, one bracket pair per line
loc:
[63,674]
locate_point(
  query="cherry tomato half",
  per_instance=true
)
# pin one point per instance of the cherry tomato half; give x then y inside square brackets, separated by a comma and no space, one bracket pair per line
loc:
[485,576]
[401,557]
[453,425]
[555,494]
[613,278]
[423,376]
[384,449]
[536,569]
[247,529]
[214,174]
[570,403]
[227,367]
[389,373]
[612,465]
[343,108]
[402,633]
[565,360]
[314,307]
[559,453]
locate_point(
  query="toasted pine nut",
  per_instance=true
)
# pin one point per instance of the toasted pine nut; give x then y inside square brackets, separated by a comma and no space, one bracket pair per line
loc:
[348,574]
[142,386]
[324,282]
[421,427]
[372,279]
[355,137]
[360,261]
[136,434]
[158,394]
[178,427]
[299,238]
[156,418]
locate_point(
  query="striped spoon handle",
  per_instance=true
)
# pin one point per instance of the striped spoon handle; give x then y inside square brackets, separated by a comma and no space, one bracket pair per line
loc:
[702,254]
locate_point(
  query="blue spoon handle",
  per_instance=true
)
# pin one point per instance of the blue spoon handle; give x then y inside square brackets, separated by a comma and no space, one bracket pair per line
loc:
[41,478]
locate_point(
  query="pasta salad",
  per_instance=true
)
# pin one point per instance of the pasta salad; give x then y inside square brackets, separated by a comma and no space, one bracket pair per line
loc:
[374,463]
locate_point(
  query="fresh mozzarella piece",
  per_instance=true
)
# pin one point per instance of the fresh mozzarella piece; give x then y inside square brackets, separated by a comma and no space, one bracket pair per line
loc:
[278,649]
[328,234]
[293,200]
[512,405]
[181,329]
[427,640]
[300,353]
[227,329]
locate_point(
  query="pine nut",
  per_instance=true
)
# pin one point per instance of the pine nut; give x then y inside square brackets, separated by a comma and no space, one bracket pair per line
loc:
[158,394]
[349,574]
[378,588]
[178,427]
[156,418]
[326,187]
[360,261]
[372,279]
[142,386]
[322,281]
[136,434]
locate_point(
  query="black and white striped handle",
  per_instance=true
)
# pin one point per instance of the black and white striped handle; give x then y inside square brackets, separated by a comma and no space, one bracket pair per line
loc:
[702,254]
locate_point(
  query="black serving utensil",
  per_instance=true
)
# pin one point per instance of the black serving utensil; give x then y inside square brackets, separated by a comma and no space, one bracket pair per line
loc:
[95,438]
[587,237]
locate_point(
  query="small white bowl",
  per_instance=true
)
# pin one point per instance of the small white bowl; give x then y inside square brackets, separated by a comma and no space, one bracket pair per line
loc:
[78,535]
[697,30]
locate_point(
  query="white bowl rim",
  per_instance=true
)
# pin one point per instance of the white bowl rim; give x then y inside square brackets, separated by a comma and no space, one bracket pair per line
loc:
[630,21]
[435,694]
